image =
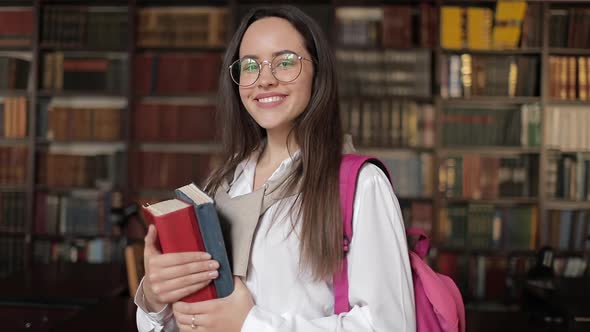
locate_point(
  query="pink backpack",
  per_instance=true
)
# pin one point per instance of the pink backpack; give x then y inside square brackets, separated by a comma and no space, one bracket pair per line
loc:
[439,306]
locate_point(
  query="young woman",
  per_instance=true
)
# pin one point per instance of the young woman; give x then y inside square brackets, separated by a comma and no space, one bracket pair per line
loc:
[281,129]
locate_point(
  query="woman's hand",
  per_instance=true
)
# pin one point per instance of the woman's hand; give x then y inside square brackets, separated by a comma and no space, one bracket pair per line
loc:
[170,277]
[220,315]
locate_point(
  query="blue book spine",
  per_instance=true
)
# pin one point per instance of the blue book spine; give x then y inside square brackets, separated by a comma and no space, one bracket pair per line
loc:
[210,228]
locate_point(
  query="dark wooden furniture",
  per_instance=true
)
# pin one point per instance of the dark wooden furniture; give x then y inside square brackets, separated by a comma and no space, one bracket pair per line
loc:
[112,314]
[566,300]
[41,296]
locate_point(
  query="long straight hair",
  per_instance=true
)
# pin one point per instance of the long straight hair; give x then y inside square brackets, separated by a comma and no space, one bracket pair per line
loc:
[317,131]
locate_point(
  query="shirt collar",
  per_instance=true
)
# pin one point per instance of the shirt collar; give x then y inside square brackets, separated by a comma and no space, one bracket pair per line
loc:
[246,170]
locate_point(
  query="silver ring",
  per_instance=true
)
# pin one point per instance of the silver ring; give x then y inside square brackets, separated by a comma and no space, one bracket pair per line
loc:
[193,322]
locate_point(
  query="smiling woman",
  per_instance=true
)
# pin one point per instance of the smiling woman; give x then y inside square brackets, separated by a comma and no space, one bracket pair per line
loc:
[278,190]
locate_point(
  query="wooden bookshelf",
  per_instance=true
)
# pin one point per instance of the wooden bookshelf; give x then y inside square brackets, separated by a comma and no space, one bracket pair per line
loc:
[13,188]
[49,93]
[569,51]
[498,201]
[531,51]
[13,141]
[12,233]
[135,93]
[13,93]
[71,237]
[488,150]
[567,205]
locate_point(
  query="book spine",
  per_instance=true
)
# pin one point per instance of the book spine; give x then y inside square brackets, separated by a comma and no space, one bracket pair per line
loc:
[211,233]
[215,246]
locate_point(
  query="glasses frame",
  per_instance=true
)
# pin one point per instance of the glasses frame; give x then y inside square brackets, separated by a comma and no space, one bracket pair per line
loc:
[272,70]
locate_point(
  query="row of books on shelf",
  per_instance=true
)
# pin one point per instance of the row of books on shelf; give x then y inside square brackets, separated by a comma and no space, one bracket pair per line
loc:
[411,173]
[176,73]
[566,127]
[183,26]
[485,28]
[566,230]
[13,117]
[14,70]
[568,176]
[167,170]
[83,72]
[157,121]
[392,26]
[386,122]
[81,119]
[95,27]
[79,212]
[12,211]
[99,119]
[13,252]
[568,27]
[482,277]
[466,75]
[486,226]
[512,228]
[509,25]
[384,72]
[13,165]
[169,73]
[80,169]
[569,77]
[486,126]
[83,167]
[473,176]
[79,251]
[16,26]
[104,27]
[487,278]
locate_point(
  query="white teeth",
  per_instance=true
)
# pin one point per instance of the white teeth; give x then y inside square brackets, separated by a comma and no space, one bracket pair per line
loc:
[270,99]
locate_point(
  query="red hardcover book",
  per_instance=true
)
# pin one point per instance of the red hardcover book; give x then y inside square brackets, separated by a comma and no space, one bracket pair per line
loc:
[178,231]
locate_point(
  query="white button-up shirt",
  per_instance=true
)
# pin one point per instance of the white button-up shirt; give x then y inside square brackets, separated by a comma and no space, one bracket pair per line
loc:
[287,299]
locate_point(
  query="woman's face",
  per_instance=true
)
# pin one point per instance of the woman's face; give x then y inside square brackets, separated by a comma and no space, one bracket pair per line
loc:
[272,103]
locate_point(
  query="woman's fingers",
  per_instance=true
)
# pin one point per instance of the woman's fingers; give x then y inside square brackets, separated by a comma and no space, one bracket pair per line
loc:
[150,248]
[179,293]
[186,321]
[166,286]
[178,271]
[179,258]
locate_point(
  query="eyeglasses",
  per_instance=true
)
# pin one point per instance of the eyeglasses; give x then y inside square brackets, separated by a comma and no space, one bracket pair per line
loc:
[285,67]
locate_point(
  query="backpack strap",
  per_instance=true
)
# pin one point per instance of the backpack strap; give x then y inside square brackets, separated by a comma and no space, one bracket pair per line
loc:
[350,167]
[421,247]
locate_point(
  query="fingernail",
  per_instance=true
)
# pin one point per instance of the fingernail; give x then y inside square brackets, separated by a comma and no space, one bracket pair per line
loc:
[213,274]
[206,256]
[213,265]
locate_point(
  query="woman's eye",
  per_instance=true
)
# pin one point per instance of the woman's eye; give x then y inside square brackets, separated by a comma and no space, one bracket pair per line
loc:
[286,63]
[250,68]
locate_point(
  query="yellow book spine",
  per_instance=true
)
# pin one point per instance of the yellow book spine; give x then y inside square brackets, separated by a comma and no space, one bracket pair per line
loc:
[583,79]
[452,35]
[479,26]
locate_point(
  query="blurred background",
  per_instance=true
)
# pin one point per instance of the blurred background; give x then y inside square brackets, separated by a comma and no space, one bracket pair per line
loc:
[480,109]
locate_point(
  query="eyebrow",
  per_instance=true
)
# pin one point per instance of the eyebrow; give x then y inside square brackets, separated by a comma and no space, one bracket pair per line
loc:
[273,54]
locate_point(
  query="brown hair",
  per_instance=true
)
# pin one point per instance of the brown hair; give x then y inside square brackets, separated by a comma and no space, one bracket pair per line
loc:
[317,131]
